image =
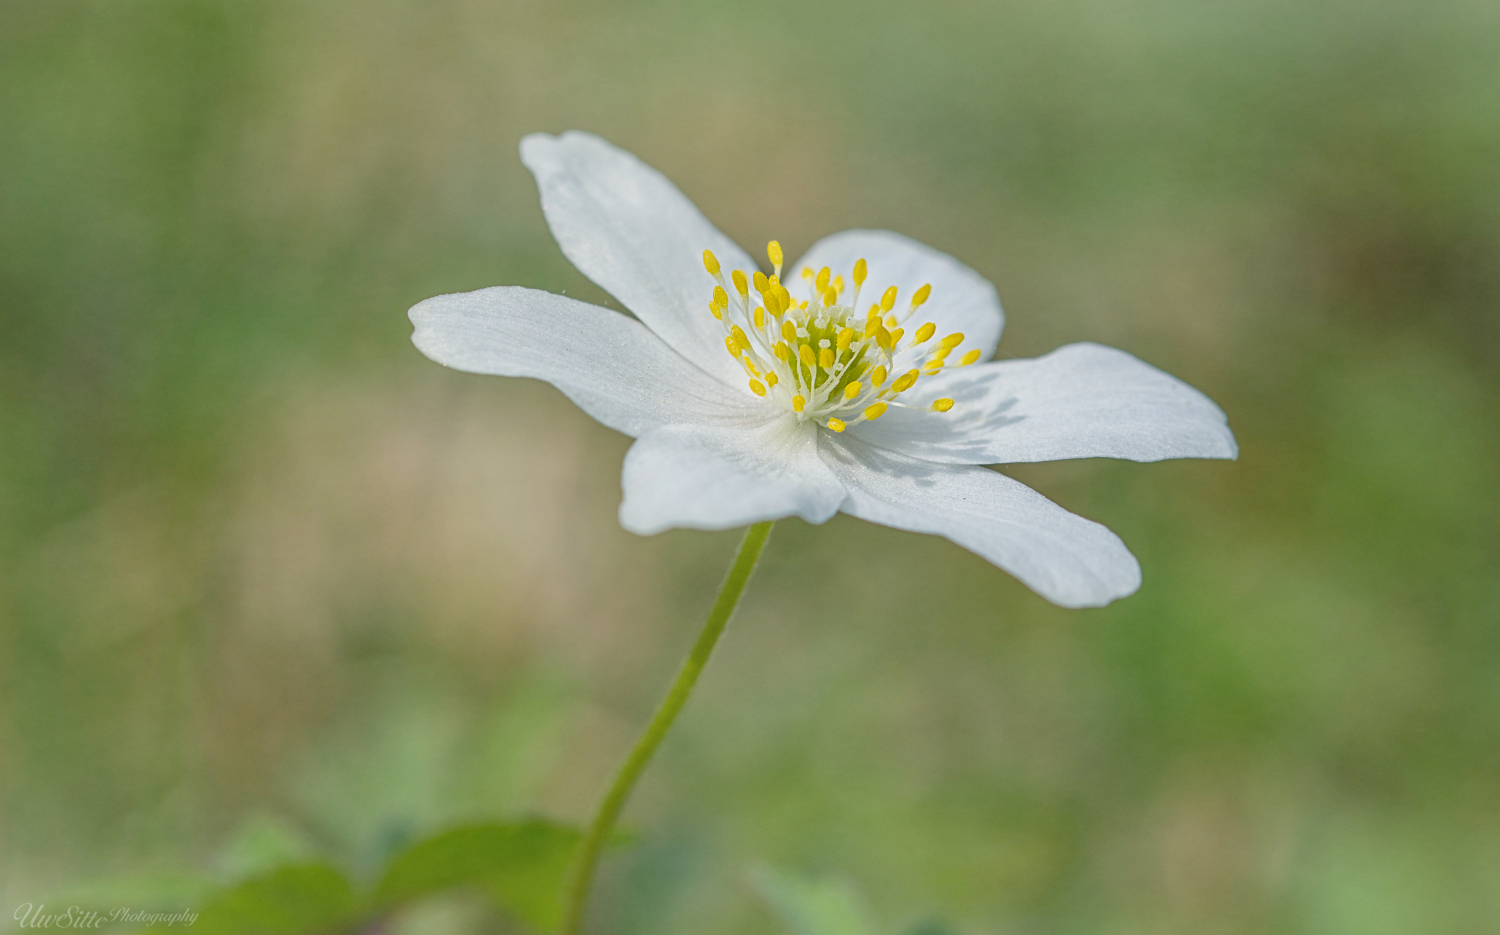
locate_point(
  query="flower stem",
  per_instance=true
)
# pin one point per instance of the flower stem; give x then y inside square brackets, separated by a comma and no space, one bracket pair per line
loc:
[619,790]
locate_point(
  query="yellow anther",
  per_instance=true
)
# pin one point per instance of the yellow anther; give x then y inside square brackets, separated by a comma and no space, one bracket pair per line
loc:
[954,339]
[740,338]
[760,317]
[773,303]
[882,337]
[757,387]
[859,272]
[760,281]
[942,405]
[923,333]
[897,335]
[781,351]
[888,301]
[846,337]
[872,326]
[721,298]
[713,308]
[823,276]
[830,298]
[877,376]
[771,378]
[789,331]
[797,403]
[773,250]
[969,358]
[904,382]
[806,355]
[732,345]
[784,298]
[874,311]
[874,411]
[932,366]
[890,322]
[941,352]
[825,358]
[750,367]
[921,295]
[853,389]
[838,284]
[740,284]
[836,424]
[807,272]
[710,262]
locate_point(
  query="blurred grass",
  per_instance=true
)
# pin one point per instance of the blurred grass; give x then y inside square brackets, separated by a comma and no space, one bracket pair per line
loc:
[257,555]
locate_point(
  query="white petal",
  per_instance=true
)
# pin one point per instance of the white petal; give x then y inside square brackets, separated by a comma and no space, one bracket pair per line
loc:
[609,364]
[722,477]
[1065,558]
[1080,401]
[629,229]
[961,300]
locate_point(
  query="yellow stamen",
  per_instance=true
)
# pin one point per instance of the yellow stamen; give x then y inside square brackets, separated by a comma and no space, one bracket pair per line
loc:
[773,304]
[713,308]
[734,347]
[954,339]
[838,284]
[760,317]
[806,355]
[923,333]
[921,295]
[781,351]
[789,331]
[890,321]
[846,337]
[888,301]
[874,311]
[882,337]
[821,283]
[721,298]
[830,298]
[853,390]
[710,262]
[933,366]
[969,358]
[874,411]
[750,367]
[859,272]
[897,335]
[942,352]
[740,285]
[836,424]
[771,378]
[757,387]
[773,250]
[760,281]
[807,272]
[872,326]
[904,382]
[877,376]
[825,358]
[738,334]
[797,403]
[942,405]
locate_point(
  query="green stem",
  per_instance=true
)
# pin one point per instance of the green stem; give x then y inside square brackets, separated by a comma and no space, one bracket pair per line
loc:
[619,790]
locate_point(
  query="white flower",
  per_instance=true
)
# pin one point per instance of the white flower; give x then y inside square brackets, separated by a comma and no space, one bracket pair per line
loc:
[751,399]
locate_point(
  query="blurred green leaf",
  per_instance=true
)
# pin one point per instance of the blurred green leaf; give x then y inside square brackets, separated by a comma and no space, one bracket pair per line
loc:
[813,907]
[298,899]
[521,865]
[929,927]
[260,844]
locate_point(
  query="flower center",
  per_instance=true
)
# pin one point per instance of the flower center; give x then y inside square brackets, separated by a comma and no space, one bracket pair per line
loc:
[818,357]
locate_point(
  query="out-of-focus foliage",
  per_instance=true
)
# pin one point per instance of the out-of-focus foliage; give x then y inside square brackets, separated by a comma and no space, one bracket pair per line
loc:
[257,555]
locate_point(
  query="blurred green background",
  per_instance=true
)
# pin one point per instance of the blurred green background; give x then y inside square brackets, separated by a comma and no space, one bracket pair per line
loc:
[261,561]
